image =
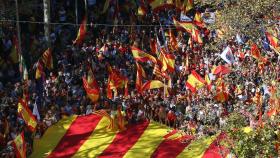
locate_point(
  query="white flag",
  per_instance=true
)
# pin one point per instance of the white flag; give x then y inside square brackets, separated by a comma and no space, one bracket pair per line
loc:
[185,18]
[227,55]
[36,112]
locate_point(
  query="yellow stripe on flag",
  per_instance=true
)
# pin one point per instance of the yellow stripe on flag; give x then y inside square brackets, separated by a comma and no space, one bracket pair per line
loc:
[99,140]
[197,148]
[44,146]
[148,142]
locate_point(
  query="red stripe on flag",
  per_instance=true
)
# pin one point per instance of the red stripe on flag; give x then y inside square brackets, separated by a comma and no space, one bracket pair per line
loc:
[171,148]
[76,135]
[216,149]
[124,141]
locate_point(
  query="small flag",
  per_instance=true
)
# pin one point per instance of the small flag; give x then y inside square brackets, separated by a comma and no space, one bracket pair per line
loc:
[140,74]
[82,32]
[141,56]
[187,26]
[36,112]
[152,84]
[19,145]
[272,40]
[47,59]
[195,81]
[39,71]
[227,55]
[25,113]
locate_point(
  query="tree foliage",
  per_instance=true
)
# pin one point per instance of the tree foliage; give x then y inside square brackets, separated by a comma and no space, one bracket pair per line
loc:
[246,17]
[246,142]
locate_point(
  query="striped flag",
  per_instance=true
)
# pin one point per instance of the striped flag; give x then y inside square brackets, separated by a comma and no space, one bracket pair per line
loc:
[187,26]
[39,71]
[195,81]
[188,5]
[198,20]
[25,113]
[91,87]
[152,84]
[158,5]
[141,56]
[47,59]
[255,52]
[140,74]
[82,32]
[196,36]
[19,146]
[116,80]
[88,136]
[173,41]
[274,41]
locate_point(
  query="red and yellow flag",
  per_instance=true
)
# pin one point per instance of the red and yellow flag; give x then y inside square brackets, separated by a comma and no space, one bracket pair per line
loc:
[141,56]
[26,114]
[116,80]
[47,59]
[274,41]
[198,20]
[140,74]
[157,5]
[195,81]
[196,36]
[255,52]
[187,26]
[91,87]
[173,40]
[82,32]
[19,146]
[188,5]
[39,71]
[152,84]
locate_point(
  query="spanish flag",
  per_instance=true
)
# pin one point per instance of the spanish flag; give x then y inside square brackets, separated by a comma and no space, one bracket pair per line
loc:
[139,76]
[157,5]
[274,41]
[166,60]
[47,59]
[173,40]
[82,32]
[19,146]
[195,81]
[208,81]
[152,84]
[141,56]
[115,81]
[198,20]
[39,71]
[187,26]
[188,5]
[196,36]
[25,113]
[91,87]
[255,52]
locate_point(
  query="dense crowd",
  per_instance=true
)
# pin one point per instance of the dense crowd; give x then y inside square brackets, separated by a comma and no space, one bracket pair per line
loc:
[61,94]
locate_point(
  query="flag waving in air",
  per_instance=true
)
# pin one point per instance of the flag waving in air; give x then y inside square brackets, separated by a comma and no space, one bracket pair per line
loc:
[82,32]
[152,84]
[195,81]
[227,55]
[91,87]
[140,74]
[47,59]
[115,81]
[141,56]
[19,146]
[25,113]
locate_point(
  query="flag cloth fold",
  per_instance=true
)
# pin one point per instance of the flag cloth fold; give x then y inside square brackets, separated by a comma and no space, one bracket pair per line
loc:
[91,87]
[47,59]
[274,41]
[140,74]
[115,81]
[82,32]
[195,81]
[187,26]
[227,55]
[25,113]
[19,145]
[141,56]
[152,84]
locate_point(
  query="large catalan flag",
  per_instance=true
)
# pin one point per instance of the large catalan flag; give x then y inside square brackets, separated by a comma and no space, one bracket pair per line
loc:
[26,114]
[88,136]
[195,81]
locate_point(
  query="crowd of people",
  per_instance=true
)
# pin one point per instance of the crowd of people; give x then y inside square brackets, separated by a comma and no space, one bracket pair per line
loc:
[62,94]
